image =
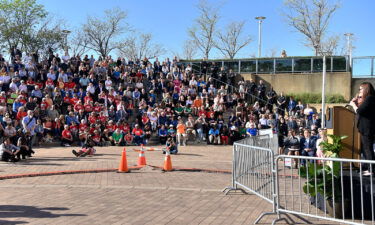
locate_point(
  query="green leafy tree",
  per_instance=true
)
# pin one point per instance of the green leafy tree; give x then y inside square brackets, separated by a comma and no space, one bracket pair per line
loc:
[19,18]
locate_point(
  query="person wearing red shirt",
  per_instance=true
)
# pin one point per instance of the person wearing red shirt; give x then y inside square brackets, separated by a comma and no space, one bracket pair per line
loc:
[87,99]
[3,98]
[92,118]
[78,106]
[39,84]
[74,100]
[66,137]
[126,128]
[88,107]
[97,108]
[67,100]
[110,127]
[202,112]
[102,118]
[83,126]
[50,84]
[70,84]
[138,135]
[21,113]
[96,138]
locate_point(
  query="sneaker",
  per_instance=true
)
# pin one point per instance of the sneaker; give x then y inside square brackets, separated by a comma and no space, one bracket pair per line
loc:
[75,152]
[67,145]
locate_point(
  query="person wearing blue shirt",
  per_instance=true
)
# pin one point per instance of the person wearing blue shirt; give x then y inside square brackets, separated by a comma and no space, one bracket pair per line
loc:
[71,118]
[16,105]
[252,130]
[163,132]
[214,135]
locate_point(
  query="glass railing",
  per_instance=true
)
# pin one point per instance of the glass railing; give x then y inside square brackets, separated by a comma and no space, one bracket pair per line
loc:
[278,65]
[363,66]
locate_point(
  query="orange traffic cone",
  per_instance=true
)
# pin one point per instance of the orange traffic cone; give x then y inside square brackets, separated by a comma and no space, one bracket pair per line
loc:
[123,167]
[167,162]
[142,157]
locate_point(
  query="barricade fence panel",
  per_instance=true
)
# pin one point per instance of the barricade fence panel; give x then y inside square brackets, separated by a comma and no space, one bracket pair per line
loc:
[334,189]
[253,170]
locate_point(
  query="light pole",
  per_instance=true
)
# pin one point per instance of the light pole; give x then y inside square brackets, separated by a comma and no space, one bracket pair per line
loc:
[349,47]
[324,91]
[65,33]
[260,20]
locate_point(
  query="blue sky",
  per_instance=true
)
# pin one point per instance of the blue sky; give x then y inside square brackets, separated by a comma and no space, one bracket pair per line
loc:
[168,21]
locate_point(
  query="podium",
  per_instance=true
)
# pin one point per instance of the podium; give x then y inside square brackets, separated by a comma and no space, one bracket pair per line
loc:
[341,121]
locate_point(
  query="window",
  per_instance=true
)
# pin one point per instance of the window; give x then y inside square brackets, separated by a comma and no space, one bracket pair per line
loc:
[283,65]
[265,66]
[302,65]
[248,66]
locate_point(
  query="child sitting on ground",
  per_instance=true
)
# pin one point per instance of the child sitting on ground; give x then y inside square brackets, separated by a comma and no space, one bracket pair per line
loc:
[87,148]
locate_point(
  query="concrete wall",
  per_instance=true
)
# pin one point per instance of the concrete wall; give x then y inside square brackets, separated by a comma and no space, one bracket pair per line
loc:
[357,81]
[336,83]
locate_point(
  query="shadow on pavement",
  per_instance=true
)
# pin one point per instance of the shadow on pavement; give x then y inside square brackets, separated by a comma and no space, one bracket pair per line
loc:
[12,211]
[189,154]
[12,222]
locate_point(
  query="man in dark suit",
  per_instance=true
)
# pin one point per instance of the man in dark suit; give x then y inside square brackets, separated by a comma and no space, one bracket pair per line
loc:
[307,145]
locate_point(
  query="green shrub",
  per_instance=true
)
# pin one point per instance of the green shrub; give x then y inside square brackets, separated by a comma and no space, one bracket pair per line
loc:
[316,98]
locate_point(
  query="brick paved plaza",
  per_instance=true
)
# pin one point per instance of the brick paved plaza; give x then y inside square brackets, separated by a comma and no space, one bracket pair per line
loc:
[146,196]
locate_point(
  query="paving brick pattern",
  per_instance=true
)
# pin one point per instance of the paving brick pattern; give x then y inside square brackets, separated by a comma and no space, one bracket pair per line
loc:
[145,196]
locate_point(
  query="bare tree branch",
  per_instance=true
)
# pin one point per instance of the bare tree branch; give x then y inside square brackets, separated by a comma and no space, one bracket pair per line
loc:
[102,34]
[311,18]
[202,33]
[189,50]
[229,41]
[139,46]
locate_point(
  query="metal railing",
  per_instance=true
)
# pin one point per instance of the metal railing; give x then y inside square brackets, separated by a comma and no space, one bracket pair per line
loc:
[363,67]
[278,65]
[331,189]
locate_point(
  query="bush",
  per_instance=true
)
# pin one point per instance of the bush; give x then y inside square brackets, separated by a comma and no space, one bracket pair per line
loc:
[316,98]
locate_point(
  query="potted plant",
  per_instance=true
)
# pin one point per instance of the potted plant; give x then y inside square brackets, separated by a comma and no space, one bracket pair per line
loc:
[322,179]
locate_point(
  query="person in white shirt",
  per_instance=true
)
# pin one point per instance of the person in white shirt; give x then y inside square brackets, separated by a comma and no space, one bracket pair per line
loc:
[23,86]
[13,86]
[51,75]
[108,83]
[91,88]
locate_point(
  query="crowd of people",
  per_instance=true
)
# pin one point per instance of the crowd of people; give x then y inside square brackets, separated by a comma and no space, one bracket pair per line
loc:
[107,101]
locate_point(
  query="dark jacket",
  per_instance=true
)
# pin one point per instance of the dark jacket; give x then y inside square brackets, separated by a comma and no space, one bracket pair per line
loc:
[366,116]
[311,144]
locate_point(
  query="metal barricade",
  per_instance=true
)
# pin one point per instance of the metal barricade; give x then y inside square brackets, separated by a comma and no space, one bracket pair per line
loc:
[252,170]
[330,189]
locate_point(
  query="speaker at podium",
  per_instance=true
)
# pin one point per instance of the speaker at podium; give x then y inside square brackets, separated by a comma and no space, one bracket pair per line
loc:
[341,121]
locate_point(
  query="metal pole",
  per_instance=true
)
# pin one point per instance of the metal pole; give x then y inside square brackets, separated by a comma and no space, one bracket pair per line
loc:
[323,90]
[349,47]
[260,20]
[259,38]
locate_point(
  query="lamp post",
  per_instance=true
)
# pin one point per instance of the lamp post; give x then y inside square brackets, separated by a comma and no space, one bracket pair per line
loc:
[324,91]
[260,20]
[66,33]
[349,47]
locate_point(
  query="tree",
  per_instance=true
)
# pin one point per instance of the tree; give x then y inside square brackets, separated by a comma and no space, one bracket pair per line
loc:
[189,50]
[78,43]
[311,18]
[43,38]
[202,33]
[102,34]
[139,46]
[229,41]
[18,18]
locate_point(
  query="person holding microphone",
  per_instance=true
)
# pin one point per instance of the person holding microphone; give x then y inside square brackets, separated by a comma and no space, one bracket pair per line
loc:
[364,105]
